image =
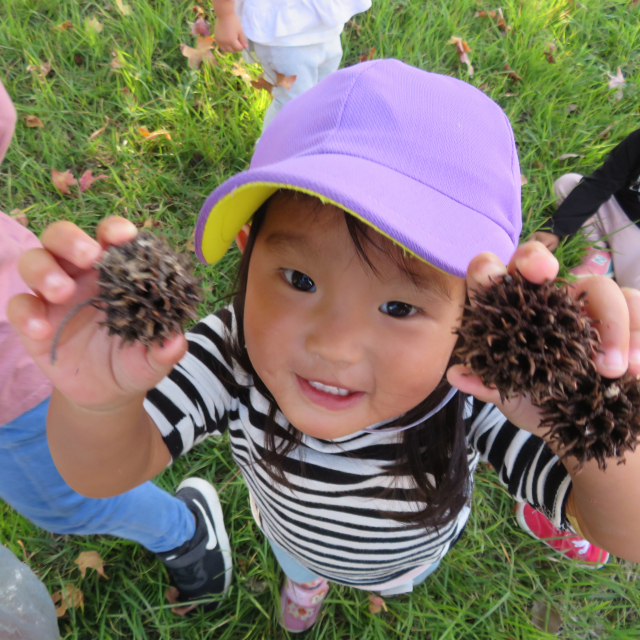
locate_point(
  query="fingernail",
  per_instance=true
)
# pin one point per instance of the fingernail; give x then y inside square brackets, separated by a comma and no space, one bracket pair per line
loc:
[87,252]
[54,282]
[611,359]
[491,272]
[35,327]
[634,357]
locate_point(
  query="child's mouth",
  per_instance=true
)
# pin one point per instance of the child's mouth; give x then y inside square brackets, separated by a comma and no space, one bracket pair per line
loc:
[328,396]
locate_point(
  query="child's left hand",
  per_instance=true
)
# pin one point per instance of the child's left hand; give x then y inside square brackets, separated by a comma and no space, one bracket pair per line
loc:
[618,311]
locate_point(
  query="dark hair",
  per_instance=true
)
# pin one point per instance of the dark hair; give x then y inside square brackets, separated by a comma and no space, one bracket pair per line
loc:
[433,453]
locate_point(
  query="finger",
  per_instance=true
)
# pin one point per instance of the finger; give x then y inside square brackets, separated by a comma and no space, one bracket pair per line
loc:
[632,296]
[67,241]
[44,275]
[606,303]
[27,314]
[243,41]
[535,262]
[484,269]
[461,377]
[115,230]
[167,355]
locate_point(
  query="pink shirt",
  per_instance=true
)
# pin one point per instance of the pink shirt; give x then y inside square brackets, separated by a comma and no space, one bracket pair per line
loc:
[22,384]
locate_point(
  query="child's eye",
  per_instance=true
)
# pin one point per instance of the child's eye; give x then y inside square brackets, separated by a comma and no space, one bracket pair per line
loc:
[397,309]
[299,280]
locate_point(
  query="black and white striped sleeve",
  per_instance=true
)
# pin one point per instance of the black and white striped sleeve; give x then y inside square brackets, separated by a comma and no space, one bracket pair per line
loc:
[526,466]
[193,401]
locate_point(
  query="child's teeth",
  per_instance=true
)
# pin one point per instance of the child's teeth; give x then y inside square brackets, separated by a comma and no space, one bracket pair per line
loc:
[336,391]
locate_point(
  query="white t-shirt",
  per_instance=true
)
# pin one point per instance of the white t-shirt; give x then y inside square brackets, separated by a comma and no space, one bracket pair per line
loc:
[293,23]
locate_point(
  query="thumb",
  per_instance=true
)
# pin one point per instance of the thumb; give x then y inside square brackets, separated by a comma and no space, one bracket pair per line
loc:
[461,377]
[163,357]
[243,40]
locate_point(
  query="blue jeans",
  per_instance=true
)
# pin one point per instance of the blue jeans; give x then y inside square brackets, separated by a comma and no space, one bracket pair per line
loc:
[31,484]
[297,573]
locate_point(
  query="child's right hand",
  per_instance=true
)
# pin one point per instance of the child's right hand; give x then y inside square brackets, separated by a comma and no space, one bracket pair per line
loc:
[548,239]
[92,370]
[229,35]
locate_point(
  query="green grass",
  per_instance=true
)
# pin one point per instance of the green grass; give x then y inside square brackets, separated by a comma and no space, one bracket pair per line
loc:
[487,585]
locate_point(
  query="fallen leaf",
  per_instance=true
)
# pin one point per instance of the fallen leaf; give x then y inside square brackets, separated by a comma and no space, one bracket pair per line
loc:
[97,132]
[21,218]
[90,559]
[566,156]
[523,180]
[255,585]
[512,74]
[376,604]
[43,70]
[129,97]
[463,50]
[150,223]
[617,82]
[496,15]
[545,616]
[123,8]
[357,27]
[549,51]
[200,28]
[78,58]
[33,121]
[199,11]
[571,108]
[262,83]
[64,26]
[70,598]
[172,597]
[502,24]
[284,81]
[117,62]
[62,181]
[605,132]
[368,56]
[93,24]
[538,165]
[144,132]
[202,52]
[238,70]
[85,182]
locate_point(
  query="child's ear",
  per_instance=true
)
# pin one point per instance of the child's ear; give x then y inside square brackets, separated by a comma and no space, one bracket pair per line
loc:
[243,237]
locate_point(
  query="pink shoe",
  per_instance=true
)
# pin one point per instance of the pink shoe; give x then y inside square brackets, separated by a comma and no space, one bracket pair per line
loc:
[597,262]
[300,603]
[570,545]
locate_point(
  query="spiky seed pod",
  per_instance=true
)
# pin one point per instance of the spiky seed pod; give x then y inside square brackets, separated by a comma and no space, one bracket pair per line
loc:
[520,337]
[146,290]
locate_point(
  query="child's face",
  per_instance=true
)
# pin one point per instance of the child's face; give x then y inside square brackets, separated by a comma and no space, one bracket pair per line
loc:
[340,347]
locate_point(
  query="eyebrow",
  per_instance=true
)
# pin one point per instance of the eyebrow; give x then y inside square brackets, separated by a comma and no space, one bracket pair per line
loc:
[434,280]
[283,240]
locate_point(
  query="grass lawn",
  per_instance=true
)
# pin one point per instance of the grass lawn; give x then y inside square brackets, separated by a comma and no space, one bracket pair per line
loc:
[486,587]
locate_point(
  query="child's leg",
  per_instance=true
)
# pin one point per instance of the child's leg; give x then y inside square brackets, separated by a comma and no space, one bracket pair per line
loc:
[31,484]
[302,593]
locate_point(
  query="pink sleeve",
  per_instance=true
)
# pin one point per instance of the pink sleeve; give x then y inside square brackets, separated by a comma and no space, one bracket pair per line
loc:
[7,121]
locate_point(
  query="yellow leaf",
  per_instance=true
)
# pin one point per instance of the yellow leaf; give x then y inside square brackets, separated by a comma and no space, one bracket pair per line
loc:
[62,180]
[123,8]
[202,52]
[376,604]
[97,132]
[64,26]
[33,121]
[284,81]
[93,24]
[144,132]
[90,560]
[69,598]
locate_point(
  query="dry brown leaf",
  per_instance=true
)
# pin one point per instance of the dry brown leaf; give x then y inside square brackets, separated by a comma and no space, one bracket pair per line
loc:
[545,616]
[69,598]
[62,180]
[78,58]
[117,62]
[617,82]
[202,52]
[123,8]
[523,180]
[376,604]
[86,180]
[200,28]
[357,27]
[21,218]
[512,74]
[549,51]
[43,70]
[284,81]
[172,597]
[566,156]
[93,24]
[33,121]
[238,70]
[502,24]
[199,11]
[496,15]
[571,108]
[144,132]
[604,134]
[90,559]
[64,26]
[538,165]
[97,132]
[262,83]
[368,56]
[463,50]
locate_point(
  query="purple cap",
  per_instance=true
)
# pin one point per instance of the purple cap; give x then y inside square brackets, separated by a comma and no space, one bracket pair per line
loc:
[427,160]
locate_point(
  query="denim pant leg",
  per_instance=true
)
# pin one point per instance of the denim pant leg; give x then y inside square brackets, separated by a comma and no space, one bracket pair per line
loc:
[292,568]
[31,484]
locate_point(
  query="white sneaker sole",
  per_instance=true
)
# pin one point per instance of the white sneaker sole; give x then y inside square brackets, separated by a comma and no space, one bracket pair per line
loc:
[213,502]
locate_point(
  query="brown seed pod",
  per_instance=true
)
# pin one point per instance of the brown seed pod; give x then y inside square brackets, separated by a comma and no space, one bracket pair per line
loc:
[523,338]
[146,291]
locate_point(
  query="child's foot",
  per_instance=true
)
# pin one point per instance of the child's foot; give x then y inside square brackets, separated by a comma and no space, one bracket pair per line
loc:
[570,545]
[201,566]
[300,603]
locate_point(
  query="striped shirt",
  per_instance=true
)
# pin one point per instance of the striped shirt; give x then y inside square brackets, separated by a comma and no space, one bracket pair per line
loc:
[331,517]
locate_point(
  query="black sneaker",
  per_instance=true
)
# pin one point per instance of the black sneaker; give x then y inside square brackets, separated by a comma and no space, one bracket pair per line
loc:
[201,566]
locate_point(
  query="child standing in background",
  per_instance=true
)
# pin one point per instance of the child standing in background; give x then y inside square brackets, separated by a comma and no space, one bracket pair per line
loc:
[378,201]
[300,39]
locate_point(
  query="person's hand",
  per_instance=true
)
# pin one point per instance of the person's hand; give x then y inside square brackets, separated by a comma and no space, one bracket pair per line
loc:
[618,311]
[92,370]
[229,35]
[549,240]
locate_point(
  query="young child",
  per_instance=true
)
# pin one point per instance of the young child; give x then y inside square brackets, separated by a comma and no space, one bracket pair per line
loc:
[170,526]
[607,205]
[378,200]
[300,39]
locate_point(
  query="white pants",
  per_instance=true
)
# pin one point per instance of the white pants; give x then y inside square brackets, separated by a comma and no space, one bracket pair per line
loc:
[610,222]
[310,64]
